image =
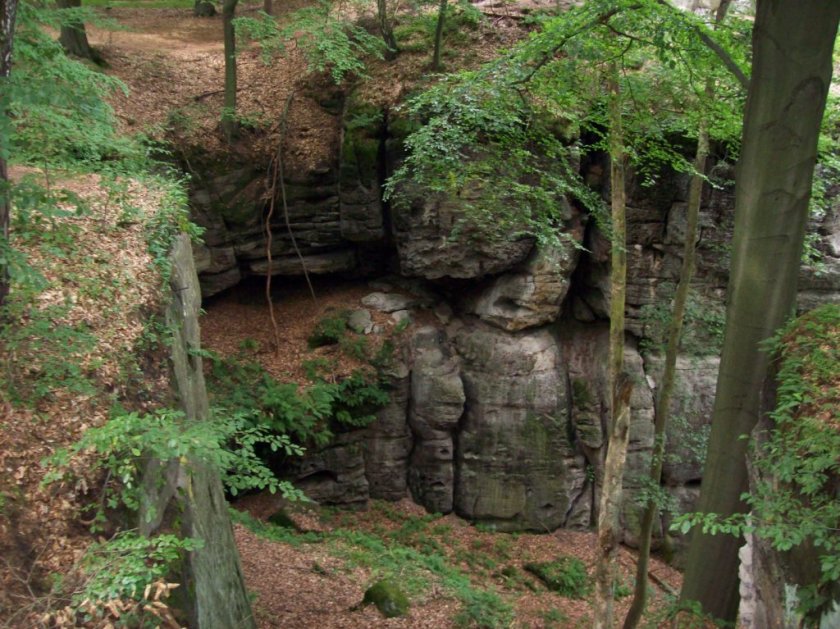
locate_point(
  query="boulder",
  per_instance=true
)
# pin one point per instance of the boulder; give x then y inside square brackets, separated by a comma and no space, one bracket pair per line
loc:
[437,403]
[389,302]
[517,468]
[360,321]
[435,241]
[533,295]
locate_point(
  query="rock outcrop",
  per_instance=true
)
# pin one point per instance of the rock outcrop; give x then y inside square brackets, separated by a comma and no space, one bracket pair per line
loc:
[498,407]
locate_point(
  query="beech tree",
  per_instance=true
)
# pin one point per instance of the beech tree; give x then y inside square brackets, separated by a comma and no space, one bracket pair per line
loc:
[73,36]
[792,66]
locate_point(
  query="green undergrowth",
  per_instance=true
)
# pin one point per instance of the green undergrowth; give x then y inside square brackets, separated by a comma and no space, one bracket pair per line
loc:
[414,555]
[87,194]
[311,415]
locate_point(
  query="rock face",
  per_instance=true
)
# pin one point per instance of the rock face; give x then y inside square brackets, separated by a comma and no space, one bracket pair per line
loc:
[517,468]
[437,403]
[388,443]
[212,574]
[498,406]
[432,244]
[532,296]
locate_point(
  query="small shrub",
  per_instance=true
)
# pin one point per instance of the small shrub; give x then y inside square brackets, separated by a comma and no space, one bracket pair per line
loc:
[566,576]
[328,331]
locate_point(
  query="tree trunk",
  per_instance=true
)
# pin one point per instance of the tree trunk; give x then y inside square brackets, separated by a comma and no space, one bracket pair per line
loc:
[8,12]
[386,29]
[619,425]
[229,123]
[609,530]
[73,37]
[268,6]
[436,65]
[663,402]
[792,57]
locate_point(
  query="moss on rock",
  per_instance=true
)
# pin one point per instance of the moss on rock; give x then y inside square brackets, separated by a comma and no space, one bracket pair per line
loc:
[389,599]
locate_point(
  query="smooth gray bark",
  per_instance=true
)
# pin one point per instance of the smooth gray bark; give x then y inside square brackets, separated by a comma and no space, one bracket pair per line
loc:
[792,65]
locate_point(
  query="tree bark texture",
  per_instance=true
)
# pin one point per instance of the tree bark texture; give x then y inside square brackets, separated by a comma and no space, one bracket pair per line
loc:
[8,13]
[73,37]
[609,530]
[229,124]
[792,64]
[386,29]
[619,419]
[436,64]
[666,390]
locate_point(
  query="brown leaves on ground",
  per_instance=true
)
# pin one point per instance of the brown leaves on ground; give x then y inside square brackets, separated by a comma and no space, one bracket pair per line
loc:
[103,279]
[315,585]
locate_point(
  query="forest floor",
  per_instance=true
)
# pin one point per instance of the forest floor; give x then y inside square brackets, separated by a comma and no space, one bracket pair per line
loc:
[173,65]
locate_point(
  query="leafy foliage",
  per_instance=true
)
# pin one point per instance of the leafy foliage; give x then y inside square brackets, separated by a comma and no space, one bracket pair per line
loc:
[328,331]
[123,566]
[505,140]
[329,41]
[794,503]
[123,446]
[564,575]
[309,416]
[702,328]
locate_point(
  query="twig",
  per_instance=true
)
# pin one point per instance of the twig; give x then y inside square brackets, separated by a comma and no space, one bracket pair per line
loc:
[283,121]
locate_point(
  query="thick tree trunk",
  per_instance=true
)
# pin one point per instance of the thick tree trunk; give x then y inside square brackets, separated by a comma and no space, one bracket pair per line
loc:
[619,425]
[8,13]
[229,123]
[436,65]
[268,6]
[386,29]
[792,57]
[73,37]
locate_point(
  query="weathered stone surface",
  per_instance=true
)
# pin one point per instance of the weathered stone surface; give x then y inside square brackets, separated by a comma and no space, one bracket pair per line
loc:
[335,474]
[214,283]
[516,466]
[388,443]
[316,264]
[212,575]
[429,245]
[437,403]
[533,295]
[389,302]
[586,348]
[401,317]
[360,321]
[359,175]
[691,414]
